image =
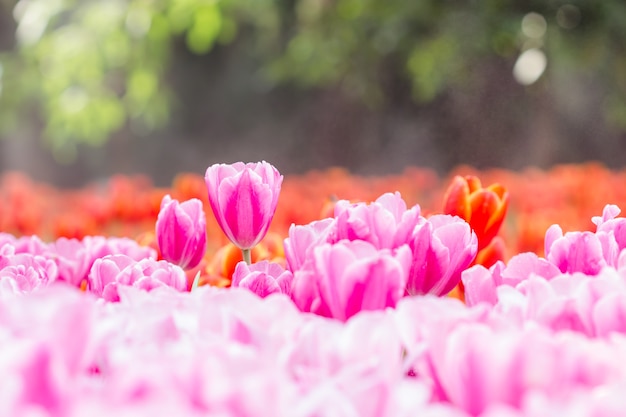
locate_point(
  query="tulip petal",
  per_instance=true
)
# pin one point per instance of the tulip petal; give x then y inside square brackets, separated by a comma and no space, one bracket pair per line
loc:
[456,199]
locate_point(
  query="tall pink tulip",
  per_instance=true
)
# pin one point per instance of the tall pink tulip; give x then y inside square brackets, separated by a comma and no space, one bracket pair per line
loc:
[244,198]
[181,232]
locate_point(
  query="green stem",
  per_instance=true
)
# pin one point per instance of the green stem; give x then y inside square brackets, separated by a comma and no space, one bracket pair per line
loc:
[246,256]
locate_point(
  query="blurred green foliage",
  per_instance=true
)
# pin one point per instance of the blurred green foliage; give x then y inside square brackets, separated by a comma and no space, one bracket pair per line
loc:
[94,66]
[88,68]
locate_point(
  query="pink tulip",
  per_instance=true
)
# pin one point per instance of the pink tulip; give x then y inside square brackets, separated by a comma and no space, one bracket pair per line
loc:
[7,238]
[553,303]
[478,367]
[481,283]
[480,286]
[609,220]
[7,249]
[50,353]
[263,278]
[108,273]
[386,223]
[442,248]
[243,198]
[592,305]
[611,231]
[24,272]
[354,276]
[181,232]
[24,244]
[609,314]
[299,247]
[523,265]
[72,258]
[303,238]
[574,251]
[305,292]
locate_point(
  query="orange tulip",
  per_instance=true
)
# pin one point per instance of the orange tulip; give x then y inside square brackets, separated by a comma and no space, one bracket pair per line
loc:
[483,208]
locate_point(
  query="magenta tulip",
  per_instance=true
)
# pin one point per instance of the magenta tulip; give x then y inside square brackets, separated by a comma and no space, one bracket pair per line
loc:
[181,232]
[244,198]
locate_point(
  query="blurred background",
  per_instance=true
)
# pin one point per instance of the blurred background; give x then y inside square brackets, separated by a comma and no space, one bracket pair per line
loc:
[90,88]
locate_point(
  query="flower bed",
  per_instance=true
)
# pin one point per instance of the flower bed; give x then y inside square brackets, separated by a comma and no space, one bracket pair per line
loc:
[355,301]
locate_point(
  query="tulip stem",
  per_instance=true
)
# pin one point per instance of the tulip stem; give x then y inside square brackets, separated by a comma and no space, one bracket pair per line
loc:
[246,256]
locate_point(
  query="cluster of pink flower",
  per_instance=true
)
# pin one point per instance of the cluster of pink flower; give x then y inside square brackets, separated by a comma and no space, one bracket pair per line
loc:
[579,286]
[27,263]
[536,337]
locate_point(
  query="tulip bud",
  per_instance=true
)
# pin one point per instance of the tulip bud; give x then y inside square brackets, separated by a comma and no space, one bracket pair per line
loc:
[483,208]
[244,198]
[181,232]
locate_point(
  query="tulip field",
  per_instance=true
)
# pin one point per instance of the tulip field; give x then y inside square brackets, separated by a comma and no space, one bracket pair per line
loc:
[244,292]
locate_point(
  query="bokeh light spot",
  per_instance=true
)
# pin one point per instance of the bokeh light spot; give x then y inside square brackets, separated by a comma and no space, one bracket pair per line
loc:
[534,25]
[530,65]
